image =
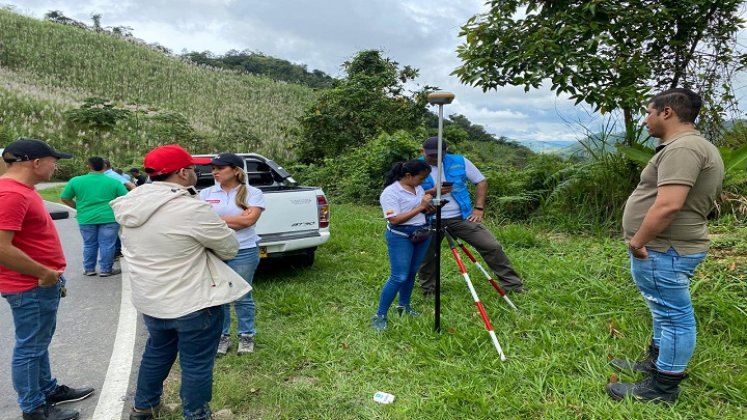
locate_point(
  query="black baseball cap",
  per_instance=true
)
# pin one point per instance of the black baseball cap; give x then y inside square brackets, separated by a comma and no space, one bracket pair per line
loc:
[228,159]
[430,145]
[24,149]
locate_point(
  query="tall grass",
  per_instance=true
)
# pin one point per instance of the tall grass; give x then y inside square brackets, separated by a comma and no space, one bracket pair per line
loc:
[317,357]
[61,65]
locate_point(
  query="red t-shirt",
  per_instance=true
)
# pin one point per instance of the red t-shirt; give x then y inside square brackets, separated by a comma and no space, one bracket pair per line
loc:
[23,212]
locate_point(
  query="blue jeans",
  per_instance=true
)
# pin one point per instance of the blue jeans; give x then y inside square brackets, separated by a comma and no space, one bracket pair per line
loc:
[405,258]
[99,239]
[35,320]
[664,282]
[245,264]
[195,338]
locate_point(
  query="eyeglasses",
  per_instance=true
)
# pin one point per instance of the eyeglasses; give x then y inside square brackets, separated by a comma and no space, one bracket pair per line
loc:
[194,168]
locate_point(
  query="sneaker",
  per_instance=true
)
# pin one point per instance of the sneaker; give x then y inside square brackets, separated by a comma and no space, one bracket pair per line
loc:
[47,412]
[64,394]
[89,273]
[110,273]
[246,344]
[223,345]
[379,322]
[407,310]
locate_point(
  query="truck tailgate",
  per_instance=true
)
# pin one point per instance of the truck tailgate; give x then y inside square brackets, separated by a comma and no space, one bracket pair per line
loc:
[292,211]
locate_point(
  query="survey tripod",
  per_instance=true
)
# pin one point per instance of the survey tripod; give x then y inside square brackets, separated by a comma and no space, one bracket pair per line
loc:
[455,243]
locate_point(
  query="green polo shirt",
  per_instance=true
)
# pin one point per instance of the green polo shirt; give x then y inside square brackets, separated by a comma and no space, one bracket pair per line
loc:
[686,159]
[92,193]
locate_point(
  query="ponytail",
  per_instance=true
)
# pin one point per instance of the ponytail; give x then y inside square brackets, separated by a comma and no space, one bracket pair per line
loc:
[400,169]
[243,193]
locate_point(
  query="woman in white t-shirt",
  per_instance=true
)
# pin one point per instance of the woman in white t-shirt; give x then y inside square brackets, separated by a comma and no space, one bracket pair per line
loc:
[404,203]
[240,206]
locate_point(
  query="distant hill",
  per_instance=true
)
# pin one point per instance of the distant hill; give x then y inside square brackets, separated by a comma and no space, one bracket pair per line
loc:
[551,146]
[48,69]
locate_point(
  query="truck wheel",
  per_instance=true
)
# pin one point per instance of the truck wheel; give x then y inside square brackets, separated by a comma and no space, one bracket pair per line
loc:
[304,260]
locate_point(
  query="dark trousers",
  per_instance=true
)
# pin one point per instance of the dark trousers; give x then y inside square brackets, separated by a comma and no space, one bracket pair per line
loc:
[486,245]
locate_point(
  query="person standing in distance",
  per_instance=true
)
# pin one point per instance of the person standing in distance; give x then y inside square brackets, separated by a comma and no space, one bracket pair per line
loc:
[174,245]
[31,281]
[664,223]
[240,206]
[461,218]
[90,194]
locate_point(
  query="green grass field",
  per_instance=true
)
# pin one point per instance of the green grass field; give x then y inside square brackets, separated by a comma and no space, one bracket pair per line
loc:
[317,357]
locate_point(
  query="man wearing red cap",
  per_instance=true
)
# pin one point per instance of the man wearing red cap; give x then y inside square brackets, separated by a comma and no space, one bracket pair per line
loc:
[174,246]
[31,267]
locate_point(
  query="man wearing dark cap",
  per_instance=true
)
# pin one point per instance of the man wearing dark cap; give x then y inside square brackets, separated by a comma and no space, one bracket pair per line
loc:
[174,246]
[31,267]
[461,218]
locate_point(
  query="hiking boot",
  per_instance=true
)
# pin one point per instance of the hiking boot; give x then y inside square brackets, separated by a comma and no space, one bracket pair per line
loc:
[89,273]
[47,412]
[407,310]
[223,345]
[645,365]
[64,394]
[656,387]
[246,344]
[144,413]
[110,273]
[379,322]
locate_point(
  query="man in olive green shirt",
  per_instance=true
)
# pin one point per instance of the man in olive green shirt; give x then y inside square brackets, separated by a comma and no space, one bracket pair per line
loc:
[664,223]
[90,194]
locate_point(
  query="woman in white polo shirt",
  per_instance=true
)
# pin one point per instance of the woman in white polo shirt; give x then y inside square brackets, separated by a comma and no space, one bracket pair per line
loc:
[240,206]
[403,202]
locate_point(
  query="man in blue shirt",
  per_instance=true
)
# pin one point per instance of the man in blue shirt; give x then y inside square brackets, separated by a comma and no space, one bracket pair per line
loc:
[461,218]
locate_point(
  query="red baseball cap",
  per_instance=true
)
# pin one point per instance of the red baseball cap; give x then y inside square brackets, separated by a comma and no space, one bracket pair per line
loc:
[170,158]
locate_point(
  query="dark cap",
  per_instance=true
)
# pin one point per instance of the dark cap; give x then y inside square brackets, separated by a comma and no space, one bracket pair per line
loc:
[430,145]
[228,159]
[29,149]
[134,171]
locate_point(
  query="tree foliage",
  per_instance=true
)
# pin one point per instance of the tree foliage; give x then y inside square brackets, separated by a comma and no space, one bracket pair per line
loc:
[265,65]
[607,54]
[370,101]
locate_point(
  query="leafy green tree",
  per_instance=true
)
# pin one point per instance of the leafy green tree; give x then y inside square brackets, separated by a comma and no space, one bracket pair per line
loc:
[607,54]
[370,101]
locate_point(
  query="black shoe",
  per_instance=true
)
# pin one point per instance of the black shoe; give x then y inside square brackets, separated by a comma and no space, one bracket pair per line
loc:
[64,394]
[657,387]
[515,290]
[47,412]
[645,365]
[110,273]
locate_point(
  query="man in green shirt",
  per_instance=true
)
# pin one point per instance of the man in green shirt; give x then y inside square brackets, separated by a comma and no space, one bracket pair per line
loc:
[90,194]
[664,223]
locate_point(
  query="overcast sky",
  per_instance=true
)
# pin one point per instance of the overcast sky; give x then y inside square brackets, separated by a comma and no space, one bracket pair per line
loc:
[323,34]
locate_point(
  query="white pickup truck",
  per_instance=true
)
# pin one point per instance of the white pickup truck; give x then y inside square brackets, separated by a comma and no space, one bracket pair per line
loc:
[296,219]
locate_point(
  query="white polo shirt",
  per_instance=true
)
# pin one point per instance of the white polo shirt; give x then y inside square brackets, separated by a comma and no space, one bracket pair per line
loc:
[396,200]
[224,203]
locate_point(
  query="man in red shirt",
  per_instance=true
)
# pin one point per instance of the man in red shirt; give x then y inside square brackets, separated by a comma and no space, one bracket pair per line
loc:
[31,267]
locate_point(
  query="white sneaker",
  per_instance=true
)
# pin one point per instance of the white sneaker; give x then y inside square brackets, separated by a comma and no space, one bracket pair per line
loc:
[223,345]
[246,344]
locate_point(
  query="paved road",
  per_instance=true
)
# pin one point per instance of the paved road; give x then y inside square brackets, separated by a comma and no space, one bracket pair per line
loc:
[83,344]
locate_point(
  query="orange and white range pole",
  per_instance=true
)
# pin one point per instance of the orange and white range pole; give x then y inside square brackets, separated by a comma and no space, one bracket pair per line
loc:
[480,308]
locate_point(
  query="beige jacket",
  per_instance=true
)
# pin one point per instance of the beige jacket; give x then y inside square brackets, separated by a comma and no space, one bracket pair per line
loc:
[174,246]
